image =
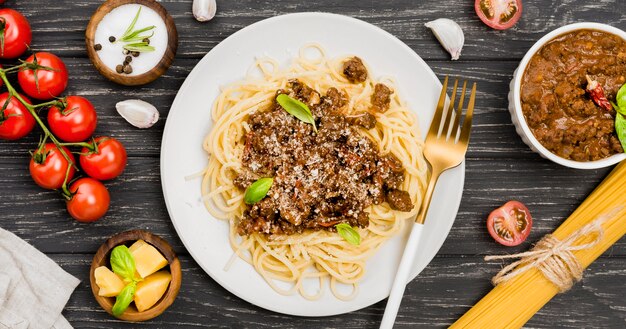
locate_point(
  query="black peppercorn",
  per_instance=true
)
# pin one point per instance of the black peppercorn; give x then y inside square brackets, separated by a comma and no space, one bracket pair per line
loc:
[97,46]
[134,53]
[119,69]
[146,40]
[128,69]
[111,39]
[125,51]
[128,59]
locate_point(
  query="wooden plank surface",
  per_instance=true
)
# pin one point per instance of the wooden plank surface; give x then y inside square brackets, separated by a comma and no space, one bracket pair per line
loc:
[499,167]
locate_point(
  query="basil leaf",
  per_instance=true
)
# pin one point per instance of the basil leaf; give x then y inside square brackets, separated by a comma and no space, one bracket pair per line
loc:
[257,190]
[621,99]
[620,128]
[124,299]
[123,263]
[297,109]
[348,233]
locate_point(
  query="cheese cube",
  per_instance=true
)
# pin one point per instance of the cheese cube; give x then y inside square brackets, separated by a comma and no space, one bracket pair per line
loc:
[151,289]
[147,259]
[110,284]
[136,245]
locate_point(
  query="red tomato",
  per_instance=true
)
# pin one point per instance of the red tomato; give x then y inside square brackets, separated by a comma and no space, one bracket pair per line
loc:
[510,224]
[90,200]
[49,83]
[499,14]
[15,120]
[48,167]
[75,122]
[16,33]
[107,161]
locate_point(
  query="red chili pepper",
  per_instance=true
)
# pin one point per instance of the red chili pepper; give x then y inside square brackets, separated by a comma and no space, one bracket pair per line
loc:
[597,94]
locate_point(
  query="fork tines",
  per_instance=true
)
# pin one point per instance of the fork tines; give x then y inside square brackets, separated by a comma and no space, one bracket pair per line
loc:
[442,125]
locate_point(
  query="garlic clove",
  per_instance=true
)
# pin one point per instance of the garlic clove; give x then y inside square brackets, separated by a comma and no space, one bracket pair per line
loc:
[204,10]
[138,113]
[449,34]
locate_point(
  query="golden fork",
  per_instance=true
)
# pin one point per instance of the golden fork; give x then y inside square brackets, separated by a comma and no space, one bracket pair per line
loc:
[445,148]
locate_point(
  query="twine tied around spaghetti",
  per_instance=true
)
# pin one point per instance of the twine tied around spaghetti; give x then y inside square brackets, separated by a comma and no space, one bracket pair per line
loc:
[554,258]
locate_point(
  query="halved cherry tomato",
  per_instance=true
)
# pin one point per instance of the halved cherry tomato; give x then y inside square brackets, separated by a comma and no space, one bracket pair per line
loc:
[45,82]
[499,14]
[510,224]
[15,33]
[89,201]
[75,121]
[107,161]
[15,120]
[48,167]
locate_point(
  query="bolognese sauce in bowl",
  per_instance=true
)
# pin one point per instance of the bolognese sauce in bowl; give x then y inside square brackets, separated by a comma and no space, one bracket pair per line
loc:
[556,98]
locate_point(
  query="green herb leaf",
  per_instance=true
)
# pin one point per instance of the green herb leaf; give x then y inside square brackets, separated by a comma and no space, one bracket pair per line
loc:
[257,190]
[124,299]
[297,109]
[139,46]
[138,38]
[132,24]
[621,100]
[123,263]
[135,34]
[348,233]
[620,129]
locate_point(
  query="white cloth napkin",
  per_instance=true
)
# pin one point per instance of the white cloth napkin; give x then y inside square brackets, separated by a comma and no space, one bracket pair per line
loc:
[33,288]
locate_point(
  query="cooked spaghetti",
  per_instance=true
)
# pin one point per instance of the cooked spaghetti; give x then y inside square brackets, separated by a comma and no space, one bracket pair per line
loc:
[361,164]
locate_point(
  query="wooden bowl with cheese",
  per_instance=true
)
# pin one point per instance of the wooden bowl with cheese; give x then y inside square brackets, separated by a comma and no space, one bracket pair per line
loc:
[157,275]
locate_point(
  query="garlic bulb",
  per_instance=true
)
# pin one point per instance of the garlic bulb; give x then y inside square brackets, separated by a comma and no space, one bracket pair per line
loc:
[204,10]
[449,34]
[138,113]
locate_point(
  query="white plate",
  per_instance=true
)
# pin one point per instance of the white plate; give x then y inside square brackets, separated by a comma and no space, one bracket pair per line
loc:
[189,121]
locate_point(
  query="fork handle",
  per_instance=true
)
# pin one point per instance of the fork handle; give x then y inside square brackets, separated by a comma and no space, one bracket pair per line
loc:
[402,276]
[408,256]
[434,177]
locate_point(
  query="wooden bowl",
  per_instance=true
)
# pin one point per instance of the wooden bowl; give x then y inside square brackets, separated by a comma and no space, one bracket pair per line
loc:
[102,257]
[134,80]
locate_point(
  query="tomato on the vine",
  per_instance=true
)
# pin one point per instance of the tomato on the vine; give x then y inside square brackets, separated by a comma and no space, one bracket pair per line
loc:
[15,33]
[44,77]
[74,120]
[48,166]
[15,120]
[89,200]
[106,161]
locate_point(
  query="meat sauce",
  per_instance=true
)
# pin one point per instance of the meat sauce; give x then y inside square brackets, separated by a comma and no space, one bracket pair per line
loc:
[560,113]
[320,180]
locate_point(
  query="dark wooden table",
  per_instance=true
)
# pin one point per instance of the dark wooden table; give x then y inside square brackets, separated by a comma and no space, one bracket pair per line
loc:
[499,167]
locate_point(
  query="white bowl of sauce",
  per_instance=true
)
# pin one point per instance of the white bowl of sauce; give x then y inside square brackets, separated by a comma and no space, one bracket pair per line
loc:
[515,103]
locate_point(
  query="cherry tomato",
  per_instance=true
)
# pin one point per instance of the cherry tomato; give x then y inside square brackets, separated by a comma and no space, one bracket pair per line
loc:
[16,33]
[43,83]
[499,14]
[89,201]
[107,161]
[15,120]
[48,167]
[510,224]
[75,121]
